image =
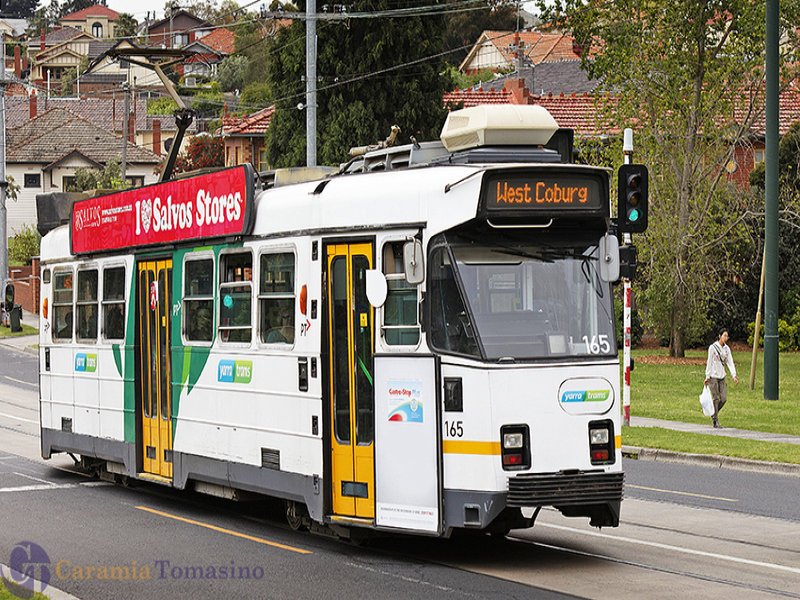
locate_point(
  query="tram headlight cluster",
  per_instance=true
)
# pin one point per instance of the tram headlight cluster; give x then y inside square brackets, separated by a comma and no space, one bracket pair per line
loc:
[516,450]
[601,442]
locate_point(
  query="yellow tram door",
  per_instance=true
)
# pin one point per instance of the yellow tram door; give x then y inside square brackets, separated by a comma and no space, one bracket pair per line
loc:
[154,320]
[352,398]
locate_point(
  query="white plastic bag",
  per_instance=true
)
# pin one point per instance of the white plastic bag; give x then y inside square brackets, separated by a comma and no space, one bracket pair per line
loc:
[707,402]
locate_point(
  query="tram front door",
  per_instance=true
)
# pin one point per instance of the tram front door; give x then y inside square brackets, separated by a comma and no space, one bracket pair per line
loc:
[351,393]
[153,331]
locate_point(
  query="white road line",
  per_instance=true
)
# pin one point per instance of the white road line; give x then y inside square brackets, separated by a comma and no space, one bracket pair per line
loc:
[35,478]
[725,557]
[36,385]
[692,494]
[16,418]
[56,486]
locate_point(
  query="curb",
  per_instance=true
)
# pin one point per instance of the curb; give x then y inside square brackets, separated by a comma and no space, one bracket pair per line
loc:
[53,593]
[711,460]
[32,350]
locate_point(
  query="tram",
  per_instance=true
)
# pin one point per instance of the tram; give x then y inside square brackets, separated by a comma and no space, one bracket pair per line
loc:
[421,342]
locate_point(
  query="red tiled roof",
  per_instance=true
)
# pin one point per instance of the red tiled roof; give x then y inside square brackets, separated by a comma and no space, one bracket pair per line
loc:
[223,40]
[98,10]
[538,47]
[253,124]
[576,111]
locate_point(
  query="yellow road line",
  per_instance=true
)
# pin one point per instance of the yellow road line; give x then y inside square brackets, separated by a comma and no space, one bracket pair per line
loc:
[223,530]
[650,489]
[465,447]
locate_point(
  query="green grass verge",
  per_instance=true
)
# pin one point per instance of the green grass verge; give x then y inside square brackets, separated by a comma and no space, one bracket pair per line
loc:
[699,443]
[5,332]
[5,594]
[670,391]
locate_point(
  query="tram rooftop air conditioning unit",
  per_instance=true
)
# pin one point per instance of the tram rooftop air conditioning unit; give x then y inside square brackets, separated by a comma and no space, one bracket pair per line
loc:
[497,125]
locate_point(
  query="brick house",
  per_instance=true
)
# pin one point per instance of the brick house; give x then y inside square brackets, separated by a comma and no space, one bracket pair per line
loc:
[497,50]
[98,20]
[177,30]
[244,138]
[208,52]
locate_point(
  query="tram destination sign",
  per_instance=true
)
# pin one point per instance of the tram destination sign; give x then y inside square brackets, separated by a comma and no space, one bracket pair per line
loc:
[218,204]
[544,192]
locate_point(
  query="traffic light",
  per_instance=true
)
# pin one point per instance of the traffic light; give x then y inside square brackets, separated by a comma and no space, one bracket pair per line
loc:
[632,201]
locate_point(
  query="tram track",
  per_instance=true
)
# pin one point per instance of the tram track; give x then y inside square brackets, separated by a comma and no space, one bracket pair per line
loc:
[656,568]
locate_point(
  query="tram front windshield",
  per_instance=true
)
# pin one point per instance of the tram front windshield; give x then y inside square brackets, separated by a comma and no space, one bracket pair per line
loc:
[502,300]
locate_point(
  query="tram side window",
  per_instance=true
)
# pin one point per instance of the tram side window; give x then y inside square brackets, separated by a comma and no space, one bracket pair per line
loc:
[236,294]
[62,306]
[198,300]
[276,298]
[87,305]
[401,311]
[114,303]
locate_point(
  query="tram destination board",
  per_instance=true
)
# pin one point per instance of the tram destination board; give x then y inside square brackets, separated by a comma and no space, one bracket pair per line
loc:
[545,192]
[212,205]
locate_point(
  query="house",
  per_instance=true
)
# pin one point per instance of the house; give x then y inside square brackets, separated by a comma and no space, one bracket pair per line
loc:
[13,29]
[497,50]
[98,20]
[56,52]
[180,28]
[244,138]
[557,77]
[44,153]
[106,75]
[207,53]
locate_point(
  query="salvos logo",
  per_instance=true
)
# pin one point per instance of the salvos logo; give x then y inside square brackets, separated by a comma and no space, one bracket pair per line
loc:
[146,213]
[87,217]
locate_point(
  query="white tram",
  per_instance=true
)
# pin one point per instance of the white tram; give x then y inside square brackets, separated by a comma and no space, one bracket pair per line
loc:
[422,342]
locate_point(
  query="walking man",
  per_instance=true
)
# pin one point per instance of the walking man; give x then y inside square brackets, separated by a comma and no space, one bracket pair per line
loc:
[719,355]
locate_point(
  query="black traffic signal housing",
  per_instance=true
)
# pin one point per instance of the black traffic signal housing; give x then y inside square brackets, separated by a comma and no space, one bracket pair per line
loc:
[632,200]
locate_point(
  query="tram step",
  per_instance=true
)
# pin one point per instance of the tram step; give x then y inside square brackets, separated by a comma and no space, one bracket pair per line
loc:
[155,478]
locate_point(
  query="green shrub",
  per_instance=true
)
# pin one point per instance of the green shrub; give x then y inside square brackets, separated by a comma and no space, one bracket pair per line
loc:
[787,335]
[23,246]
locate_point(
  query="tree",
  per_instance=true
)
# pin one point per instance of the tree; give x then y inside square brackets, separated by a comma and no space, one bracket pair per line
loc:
[68,78]
[373,73]
[231,72]
[19,9]
[126,26]
[107,178]
[203,151]
[72,6]
[254,97]
[24,245]
[681,69]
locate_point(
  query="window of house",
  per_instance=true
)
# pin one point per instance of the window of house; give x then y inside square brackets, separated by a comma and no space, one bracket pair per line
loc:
[69,183]
[235,297]
[180,39]
[276,306]
[758,155]
[62,305]
[114,303]
[263,165]
[87,305]
[135,180]
[33,180]
[97,29]
[400,325]
[198,300]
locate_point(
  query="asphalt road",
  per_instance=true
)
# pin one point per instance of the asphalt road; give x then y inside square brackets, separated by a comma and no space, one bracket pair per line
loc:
[686,531]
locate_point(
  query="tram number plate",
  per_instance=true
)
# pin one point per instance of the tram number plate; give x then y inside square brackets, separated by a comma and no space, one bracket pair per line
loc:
[454,428]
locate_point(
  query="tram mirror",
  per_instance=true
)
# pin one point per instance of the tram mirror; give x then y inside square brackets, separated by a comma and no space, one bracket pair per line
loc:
[377,289]
[608,249]
[413,262]
[8,301]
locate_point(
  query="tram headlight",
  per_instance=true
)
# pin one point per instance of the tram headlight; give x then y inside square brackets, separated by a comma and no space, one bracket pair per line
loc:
[512,440]
[598,436]
[602,442]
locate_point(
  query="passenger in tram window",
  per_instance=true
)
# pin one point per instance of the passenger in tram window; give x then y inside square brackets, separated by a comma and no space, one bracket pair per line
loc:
[66,330]
[201,324]
[114,328]
[283,330]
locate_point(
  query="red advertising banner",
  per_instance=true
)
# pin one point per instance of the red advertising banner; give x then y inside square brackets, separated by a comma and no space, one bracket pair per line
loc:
[218,204]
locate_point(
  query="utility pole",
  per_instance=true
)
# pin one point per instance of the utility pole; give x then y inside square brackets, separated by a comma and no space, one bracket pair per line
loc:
[771,208]
[125,126]
[627,151]
[3,182]
[311,83]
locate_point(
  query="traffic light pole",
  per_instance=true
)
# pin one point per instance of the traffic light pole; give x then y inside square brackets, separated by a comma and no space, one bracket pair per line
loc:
[627,150]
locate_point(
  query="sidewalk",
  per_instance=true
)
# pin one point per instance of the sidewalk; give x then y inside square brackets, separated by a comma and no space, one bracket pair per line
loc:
[708,459]
[25,343]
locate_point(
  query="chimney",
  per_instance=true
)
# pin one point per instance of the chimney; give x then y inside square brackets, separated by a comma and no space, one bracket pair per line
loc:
[131,129]
[17,65]
[25,63]
[157,149]
[41,42]
[33,105]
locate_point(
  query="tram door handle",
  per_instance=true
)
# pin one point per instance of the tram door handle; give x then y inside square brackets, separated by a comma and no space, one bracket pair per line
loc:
[302,374]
